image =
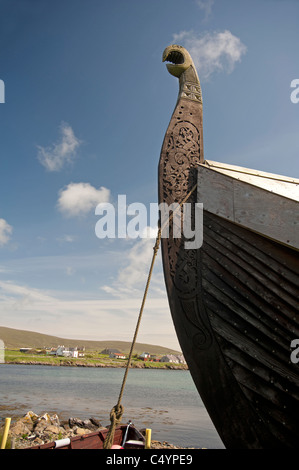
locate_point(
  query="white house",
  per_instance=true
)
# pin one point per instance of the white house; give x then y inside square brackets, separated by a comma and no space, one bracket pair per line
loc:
[62,351]
[179,359]
[172,358]
[169,358]
[117,356]
[74,352]
[144,355]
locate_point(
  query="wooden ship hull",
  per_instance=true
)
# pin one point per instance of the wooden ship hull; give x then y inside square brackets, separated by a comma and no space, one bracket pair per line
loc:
[95,440]
[233,299]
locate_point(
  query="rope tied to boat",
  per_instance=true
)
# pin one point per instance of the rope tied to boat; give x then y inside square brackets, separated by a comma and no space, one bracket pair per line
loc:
[115,418]
[117,411]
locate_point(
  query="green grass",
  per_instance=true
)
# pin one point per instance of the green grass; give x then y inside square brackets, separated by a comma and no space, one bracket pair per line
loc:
[93,358]
[14,355]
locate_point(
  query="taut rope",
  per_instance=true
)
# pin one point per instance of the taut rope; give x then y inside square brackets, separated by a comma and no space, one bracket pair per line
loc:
[117,411]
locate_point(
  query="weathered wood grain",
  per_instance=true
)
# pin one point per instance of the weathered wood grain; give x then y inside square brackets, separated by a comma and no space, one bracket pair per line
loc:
[266,212]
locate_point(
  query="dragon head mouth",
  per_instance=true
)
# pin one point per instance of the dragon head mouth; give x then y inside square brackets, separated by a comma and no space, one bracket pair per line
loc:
[178,59]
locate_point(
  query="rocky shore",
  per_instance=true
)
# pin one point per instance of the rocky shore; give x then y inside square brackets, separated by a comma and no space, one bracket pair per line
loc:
[32,430]
[65,363]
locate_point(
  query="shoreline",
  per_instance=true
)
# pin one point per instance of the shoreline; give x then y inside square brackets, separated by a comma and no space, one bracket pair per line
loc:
[32,430]
[67,363]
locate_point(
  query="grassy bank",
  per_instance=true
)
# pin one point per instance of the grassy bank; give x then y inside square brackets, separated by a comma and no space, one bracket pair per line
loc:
[91,359]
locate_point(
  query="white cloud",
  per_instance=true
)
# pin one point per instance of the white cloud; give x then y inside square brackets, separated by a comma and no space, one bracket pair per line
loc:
[79,198]
[70,270]
[212,52]
[138,259]
[21,296]
[70,315]
[132,275]
[206,6]
[53,158]
[66,239]
[5,232]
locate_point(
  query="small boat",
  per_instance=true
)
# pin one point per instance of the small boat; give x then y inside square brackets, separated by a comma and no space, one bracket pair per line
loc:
[125,436]
[234,298]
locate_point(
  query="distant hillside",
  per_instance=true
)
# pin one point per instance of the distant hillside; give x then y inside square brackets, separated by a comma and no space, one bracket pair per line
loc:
[29,339]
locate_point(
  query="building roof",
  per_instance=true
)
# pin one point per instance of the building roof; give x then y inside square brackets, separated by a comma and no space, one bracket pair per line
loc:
[110,351]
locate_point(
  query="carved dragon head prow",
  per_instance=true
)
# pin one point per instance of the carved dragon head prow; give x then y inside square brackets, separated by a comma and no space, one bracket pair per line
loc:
[180,61]
[180,64]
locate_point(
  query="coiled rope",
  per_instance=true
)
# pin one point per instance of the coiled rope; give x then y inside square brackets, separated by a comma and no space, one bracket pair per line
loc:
[117,411]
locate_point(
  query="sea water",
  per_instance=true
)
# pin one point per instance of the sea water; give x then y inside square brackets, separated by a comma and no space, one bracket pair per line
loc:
[166,401]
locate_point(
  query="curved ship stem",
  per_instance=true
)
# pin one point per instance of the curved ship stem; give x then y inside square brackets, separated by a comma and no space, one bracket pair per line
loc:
[233,300]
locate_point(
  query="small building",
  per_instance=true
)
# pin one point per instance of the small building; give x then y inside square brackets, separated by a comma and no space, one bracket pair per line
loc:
[177,359]
[62,351]
[53,352]
[170,358]
[117,356]
[73,352]
[145,356]
[181,359]
[155,358]
[109,351]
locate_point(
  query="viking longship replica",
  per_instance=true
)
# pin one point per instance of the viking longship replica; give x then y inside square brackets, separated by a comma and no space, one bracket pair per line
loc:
[234,300]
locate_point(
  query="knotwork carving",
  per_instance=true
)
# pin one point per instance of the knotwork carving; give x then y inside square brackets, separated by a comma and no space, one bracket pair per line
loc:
[182,156]
[191,91]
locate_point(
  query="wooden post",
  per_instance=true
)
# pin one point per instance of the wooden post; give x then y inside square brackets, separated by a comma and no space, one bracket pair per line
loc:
[5,433]
[148,436]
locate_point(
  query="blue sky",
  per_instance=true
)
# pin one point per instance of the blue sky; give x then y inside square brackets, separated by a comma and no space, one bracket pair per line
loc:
[87,104]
